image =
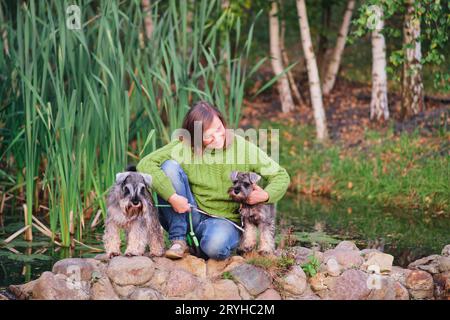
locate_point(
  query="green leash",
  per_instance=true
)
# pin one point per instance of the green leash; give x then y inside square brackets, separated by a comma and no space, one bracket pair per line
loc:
[190,237]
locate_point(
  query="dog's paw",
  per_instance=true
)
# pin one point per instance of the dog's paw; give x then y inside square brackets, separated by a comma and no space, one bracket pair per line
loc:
[113,254]
[132,254]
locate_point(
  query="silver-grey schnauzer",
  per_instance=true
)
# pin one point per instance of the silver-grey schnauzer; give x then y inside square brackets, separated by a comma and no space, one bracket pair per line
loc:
[259,215]
[130,207]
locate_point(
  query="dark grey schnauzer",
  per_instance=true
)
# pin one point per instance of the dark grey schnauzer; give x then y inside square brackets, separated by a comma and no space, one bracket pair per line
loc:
[130,207]
[253,216]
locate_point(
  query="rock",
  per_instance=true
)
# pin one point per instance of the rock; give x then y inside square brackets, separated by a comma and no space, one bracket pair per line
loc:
[215,268]
[351,285]
[59,287]
[130,270]
[205,290]
[346,258]
[226,289]
[420,284]
[159,279]
[269,294]
[234,262]
[400,274]
[102,289]
[192,264]
[23,291]
[124,291]
[401,293]
[446,251]
[389,289]
[254,279]
[444,264]
[146,294]
[302,254]
[382,260]
[365,252]
[244,293]
[179,283]
[78,268]
[318,282]
[346,245]
[333,268]
[294,282]
[442,285]
[429,264]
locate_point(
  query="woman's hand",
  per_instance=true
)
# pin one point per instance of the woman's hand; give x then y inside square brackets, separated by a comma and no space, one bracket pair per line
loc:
[257,195]
[179,203]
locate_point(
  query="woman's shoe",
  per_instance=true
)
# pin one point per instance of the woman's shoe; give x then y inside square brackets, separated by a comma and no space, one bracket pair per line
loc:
[177,250]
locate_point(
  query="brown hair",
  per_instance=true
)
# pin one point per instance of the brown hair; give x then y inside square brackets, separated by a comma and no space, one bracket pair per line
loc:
[204,112]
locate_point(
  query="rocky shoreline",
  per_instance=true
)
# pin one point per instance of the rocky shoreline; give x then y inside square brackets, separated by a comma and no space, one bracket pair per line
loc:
[342,273]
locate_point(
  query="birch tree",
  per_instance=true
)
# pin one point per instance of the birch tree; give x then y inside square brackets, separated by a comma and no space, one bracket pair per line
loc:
[313,73]
[412,85]
[287,104]
[379,101]
[333,66]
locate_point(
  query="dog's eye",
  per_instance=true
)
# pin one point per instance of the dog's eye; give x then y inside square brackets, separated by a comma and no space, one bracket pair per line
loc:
[143,191]
[126,191]
[246,184]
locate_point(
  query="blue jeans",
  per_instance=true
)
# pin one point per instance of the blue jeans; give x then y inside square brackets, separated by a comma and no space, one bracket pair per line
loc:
[217,237]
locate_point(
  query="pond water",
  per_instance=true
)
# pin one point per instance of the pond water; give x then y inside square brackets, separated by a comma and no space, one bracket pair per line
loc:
[406,234]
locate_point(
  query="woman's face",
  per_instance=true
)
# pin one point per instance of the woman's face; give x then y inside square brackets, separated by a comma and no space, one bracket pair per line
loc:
[214,136]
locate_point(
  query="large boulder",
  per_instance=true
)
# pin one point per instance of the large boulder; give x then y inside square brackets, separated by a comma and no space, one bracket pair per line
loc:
[180,282]
[130,270]
[254,279]
[383,261]
[346,258]
[102,289]
[59,287]
[351,285]
[433,264]
[295,281]
[420,284]
[226,289]
[80,268]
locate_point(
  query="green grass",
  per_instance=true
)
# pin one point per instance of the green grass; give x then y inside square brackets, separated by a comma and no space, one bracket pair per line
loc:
[388,170]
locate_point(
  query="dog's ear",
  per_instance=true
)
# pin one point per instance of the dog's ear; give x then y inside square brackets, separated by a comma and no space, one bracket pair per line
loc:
[254,177]
[121,176]
[147,179]
[233,175]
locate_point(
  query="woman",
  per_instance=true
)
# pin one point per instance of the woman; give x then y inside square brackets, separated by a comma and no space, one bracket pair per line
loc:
[199,180]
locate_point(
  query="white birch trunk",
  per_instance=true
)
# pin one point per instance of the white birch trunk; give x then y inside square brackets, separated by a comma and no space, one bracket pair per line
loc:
[333,66]
[379,102]
[290,76]
[412,85]
[313,73]
[287,104]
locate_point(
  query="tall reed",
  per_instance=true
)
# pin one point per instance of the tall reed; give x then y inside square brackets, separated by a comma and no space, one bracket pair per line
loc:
[78,105]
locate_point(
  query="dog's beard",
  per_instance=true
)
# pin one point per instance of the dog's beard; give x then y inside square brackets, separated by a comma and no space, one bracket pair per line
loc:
[131,211]
[240,197]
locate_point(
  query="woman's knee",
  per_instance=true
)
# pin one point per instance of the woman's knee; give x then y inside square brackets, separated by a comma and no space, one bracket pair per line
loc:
[220,241]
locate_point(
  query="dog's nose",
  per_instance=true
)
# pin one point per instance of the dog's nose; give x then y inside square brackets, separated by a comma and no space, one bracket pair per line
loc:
[135,202]
[237,190]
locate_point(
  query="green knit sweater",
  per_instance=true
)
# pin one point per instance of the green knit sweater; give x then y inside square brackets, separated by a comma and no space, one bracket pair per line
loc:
[209,175]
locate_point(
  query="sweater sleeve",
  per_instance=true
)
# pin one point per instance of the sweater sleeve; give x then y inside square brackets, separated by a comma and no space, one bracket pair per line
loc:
[151,164]
[277,177]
